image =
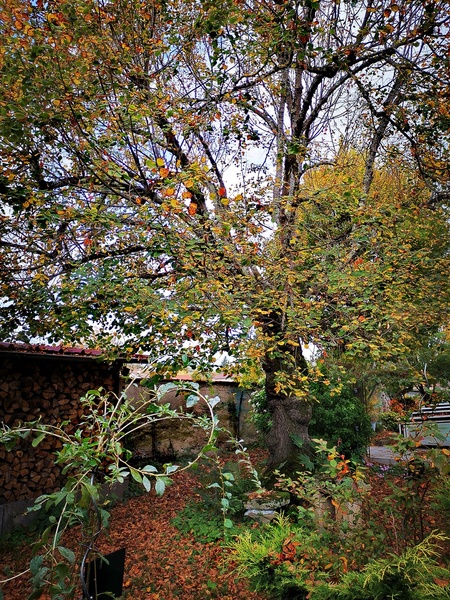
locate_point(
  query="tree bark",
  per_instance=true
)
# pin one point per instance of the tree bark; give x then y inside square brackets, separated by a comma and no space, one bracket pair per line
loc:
[290,412]
[290,417]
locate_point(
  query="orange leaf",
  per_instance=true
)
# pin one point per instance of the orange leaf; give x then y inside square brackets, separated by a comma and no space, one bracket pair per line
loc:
[192,208]
[441,582]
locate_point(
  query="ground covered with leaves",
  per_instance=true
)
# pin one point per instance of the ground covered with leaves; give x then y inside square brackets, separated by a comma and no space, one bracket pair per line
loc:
[167,559]
[161,563]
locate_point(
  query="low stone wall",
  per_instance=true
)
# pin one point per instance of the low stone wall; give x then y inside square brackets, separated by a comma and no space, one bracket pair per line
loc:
[172,439]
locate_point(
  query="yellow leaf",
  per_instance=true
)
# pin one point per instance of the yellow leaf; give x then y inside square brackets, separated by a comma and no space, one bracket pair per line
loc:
[128,309]
[160,162]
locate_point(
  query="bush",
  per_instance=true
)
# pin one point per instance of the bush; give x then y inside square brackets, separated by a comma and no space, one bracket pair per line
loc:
[414,575]
[441,502]
[200,521]
[389,421]
[289,561]
[340,418]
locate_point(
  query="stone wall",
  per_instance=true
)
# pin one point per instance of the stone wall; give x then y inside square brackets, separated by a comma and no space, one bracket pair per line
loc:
[173,439]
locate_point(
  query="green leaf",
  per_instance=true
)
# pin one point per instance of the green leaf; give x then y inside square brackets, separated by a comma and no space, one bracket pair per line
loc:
[37,440]
[146,483]
[228,523]
[149,469]
[160,486]
[36,594]
[171,469]
[62,571]
[92,490]
[213,401]
[36,563]
[208,448]
[94,393]
[136,475]
[67,554]
[167,387]
[191,401]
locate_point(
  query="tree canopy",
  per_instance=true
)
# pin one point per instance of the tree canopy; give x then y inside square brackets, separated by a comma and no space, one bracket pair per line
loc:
[184,177]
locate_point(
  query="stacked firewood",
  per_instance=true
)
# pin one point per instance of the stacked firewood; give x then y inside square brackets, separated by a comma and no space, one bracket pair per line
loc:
[48,390]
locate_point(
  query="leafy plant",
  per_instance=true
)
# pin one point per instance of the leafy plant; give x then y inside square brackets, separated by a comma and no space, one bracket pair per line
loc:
[412,481]
[389,421]
[333,493]
[202,521]
[414,575]
[95,455]
[339,416]
[441,502]
[288,561]
[224,484]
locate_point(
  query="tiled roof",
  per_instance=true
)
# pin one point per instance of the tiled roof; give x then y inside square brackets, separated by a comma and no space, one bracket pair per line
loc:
[140,370]
[45,350]
[214,377]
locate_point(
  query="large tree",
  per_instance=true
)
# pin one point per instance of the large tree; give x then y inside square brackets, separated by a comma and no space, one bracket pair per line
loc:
[185,177]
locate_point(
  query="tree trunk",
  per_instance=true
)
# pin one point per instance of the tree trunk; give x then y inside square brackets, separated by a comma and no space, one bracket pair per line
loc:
[290,412]
[290,417]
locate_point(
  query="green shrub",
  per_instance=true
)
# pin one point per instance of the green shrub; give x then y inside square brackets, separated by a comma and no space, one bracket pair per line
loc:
[260,415]
[284,557]
[221,490]
[202,522]
[441,502]
[288,561]
[414,575]
[388,421]
[341,418]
